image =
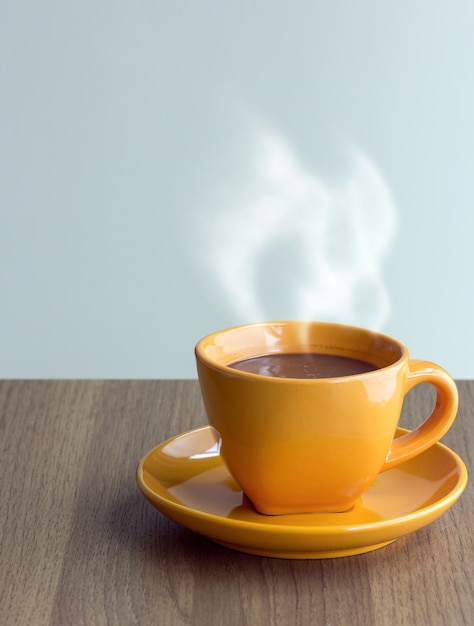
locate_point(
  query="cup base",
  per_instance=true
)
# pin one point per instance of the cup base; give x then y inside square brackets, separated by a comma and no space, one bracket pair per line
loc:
[275,510]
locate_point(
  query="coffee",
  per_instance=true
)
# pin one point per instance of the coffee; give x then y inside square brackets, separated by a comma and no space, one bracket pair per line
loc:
[303,365]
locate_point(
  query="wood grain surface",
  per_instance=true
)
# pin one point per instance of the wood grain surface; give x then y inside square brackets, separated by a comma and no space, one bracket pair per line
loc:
[80,544]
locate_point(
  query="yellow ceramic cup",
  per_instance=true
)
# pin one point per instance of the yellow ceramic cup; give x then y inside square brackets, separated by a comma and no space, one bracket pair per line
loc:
[315,445]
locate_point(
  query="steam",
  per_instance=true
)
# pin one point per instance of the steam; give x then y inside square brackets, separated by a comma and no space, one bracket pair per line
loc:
[283,243]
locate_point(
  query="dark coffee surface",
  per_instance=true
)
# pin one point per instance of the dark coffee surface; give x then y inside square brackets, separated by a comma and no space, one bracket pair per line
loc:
[304,365]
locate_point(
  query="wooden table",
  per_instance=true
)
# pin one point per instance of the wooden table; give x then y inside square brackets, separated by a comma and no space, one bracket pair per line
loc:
[81,545]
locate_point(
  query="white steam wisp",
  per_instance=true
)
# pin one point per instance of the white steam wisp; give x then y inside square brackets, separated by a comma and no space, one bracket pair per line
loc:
[283,243]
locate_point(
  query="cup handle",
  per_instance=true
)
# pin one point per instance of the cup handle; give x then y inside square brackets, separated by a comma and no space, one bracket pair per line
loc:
[437,424]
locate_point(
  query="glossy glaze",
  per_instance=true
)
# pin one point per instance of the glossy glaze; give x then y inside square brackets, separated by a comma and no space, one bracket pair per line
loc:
[186,479]
[315,445]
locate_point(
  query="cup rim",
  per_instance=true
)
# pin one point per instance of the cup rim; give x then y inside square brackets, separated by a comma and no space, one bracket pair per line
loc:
[201,355]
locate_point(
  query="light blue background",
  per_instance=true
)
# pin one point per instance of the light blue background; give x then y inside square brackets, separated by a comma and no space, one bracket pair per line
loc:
[121,120]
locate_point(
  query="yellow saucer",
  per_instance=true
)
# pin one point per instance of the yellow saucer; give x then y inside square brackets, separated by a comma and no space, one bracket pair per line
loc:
[186,479]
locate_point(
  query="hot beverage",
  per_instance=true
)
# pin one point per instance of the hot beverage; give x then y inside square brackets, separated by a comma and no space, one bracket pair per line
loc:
[303,365]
